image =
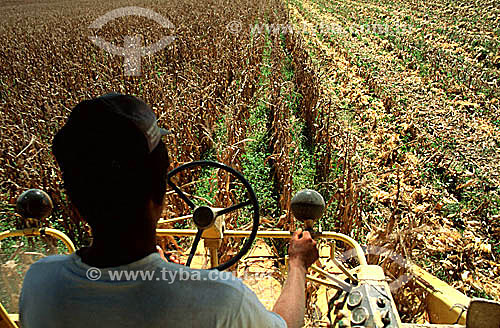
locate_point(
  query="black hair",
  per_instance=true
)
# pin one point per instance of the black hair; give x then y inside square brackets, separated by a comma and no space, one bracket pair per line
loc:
[109,176]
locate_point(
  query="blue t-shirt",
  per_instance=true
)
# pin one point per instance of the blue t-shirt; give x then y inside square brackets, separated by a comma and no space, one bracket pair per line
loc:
[62,291]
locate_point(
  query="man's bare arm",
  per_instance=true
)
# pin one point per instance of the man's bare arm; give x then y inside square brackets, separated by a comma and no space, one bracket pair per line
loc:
[292,301]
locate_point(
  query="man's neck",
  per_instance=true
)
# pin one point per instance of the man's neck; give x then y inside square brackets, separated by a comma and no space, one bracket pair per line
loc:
[115,248]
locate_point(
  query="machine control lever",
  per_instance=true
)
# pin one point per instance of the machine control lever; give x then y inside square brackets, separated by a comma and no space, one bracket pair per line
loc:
[308,206]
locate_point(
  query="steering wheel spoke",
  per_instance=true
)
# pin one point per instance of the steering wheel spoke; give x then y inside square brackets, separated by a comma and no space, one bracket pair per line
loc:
[234,208]
[194,247]
[181,194]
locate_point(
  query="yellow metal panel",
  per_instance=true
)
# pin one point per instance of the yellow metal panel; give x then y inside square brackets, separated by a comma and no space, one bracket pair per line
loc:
[445,304]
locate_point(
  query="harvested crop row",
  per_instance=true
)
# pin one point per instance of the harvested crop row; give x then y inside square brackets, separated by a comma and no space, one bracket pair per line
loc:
[397,120]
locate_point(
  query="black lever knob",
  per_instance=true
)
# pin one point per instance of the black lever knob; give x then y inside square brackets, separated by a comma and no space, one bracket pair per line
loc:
[34,204]
[307,205]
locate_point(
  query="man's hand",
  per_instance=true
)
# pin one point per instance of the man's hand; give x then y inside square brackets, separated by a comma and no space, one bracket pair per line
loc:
[171,257]
[302,250]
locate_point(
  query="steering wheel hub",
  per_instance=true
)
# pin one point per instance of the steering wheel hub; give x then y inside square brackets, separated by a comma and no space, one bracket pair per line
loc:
[204,217]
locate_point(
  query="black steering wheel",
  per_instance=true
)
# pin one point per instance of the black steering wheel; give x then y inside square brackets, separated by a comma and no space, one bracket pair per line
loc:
[204,216]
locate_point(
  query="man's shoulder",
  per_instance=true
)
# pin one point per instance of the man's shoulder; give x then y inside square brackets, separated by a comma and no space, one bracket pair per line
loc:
[52,260]
[47,266]
[44,274]
[55,259]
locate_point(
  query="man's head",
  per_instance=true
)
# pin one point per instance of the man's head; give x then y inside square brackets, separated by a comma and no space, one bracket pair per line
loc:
[113,162]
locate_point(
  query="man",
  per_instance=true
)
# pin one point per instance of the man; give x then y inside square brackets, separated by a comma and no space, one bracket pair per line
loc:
[114,167]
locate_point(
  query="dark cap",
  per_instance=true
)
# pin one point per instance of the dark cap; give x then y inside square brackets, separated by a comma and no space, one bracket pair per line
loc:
[105,126]
[138,112]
